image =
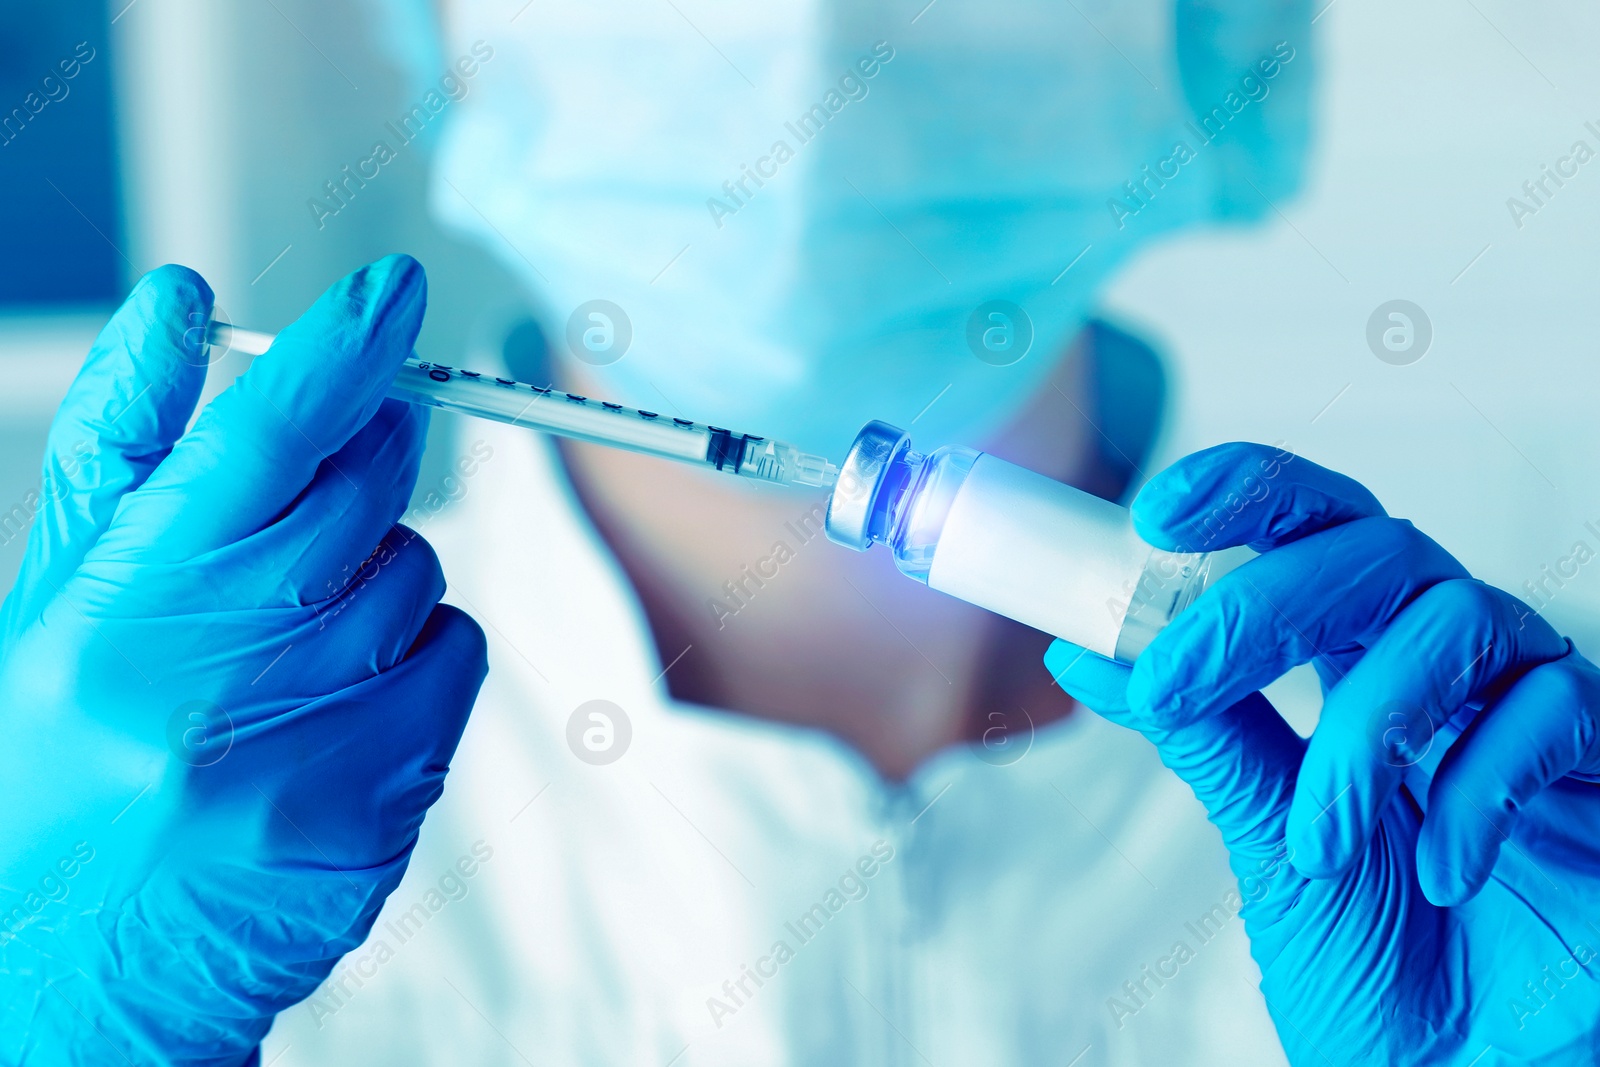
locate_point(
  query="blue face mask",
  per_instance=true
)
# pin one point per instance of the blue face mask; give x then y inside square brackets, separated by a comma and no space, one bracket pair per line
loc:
[815,215]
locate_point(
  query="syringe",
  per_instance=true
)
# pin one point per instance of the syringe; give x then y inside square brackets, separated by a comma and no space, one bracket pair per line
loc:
[582,419]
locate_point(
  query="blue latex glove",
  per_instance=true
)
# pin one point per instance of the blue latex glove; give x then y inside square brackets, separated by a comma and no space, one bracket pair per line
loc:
[1431,910]
[224,712]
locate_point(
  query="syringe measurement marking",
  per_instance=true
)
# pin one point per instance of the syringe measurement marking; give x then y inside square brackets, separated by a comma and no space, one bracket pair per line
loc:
[724,449]
[549,391]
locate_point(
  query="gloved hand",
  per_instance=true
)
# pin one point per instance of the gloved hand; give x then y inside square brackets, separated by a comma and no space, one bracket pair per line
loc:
[228,692]
[1420,882]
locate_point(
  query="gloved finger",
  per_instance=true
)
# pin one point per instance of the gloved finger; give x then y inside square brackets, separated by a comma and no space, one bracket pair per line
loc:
[1334,664]
[314,810]
[1545,727]
[312,552]
[1318,597]
[1241,763]
[282,654]
[376,614]
[1098,683]
[355,496]
[128,404]
[1245,494]
[1453,644]
[452,651]
[256,447]
[378,751]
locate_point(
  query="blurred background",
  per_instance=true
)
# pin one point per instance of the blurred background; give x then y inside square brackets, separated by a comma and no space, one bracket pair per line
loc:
[197,132]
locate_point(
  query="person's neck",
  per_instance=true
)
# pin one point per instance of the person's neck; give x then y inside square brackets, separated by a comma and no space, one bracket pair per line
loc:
[757,612]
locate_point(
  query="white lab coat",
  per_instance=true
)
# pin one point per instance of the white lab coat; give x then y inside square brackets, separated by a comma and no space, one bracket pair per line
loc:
[557,912]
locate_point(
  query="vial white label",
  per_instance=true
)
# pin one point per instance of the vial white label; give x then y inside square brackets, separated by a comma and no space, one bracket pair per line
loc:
[1048,555]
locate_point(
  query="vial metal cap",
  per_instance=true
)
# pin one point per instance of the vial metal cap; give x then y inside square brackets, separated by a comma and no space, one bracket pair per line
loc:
[855,495]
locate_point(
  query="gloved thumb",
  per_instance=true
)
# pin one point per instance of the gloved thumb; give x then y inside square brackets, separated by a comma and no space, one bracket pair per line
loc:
[1241,764]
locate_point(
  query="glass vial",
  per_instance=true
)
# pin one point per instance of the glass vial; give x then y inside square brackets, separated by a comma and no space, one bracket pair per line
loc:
[1011,541]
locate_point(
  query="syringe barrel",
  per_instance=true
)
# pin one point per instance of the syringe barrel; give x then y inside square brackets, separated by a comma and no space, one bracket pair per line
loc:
[581,418]
[601,422]
[551,410]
